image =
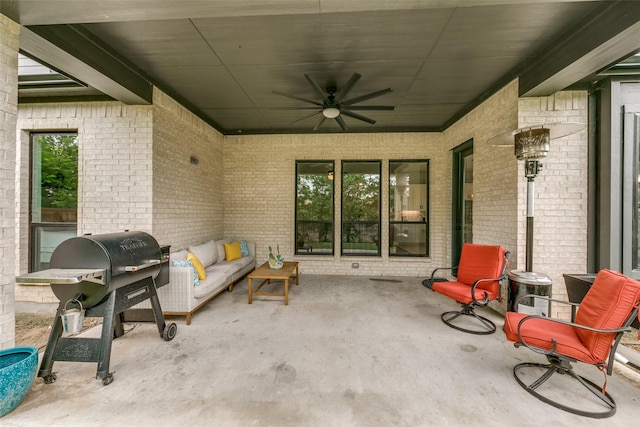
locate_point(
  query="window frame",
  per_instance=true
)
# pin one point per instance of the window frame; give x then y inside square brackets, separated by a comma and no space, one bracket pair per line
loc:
[35,228]
[392,222]
[342,206]
[309,251]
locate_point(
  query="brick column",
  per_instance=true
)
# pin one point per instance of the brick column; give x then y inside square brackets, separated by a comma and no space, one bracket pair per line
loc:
[9,32]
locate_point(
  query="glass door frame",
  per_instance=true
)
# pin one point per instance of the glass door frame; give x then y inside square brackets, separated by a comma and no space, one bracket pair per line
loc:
[460,153]
[630,187]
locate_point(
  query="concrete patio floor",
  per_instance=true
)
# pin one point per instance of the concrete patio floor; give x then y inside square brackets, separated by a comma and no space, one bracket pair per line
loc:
[346,351]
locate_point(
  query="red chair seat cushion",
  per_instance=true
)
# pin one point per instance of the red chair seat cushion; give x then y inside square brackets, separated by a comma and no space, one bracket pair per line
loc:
[539,332]
[481,262]
[607,305]
[460,292]
[476,262]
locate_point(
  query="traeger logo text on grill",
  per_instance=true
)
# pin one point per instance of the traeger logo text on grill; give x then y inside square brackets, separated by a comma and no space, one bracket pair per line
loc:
[130,244]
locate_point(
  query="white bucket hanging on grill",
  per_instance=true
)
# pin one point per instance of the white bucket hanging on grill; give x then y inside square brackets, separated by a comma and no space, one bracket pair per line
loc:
[72,318]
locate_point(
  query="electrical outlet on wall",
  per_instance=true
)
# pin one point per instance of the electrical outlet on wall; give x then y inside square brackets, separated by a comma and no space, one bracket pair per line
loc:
[355,265]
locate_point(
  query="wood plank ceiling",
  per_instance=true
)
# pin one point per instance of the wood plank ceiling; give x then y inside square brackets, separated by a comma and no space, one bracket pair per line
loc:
[224,59]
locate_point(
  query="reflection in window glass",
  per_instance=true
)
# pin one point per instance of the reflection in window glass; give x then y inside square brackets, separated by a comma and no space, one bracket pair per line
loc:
[361,208]
[408,208]
[314,208]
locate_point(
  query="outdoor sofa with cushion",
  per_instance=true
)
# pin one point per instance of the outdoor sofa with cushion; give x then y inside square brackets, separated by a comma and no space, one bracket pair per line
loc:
[201,272]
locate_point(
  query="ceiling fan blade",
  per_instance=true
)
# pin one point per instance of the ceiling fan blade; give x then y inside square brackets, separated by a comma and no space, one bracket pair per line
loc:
[291,108]
[342,93]
[288,95]
[341,122]
[322,119]
[373,107]
[305,117]
[367,96]
[356,116]
[317,88]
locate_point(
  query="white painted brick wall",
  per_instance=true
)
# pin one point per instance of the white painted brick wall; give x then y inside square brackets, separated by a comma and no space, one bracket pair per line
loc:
[114,161]
[494,168]
[187,199]
[9,41]
[243,186]
[134,173]
[115,154]
[260,183]
[261,208]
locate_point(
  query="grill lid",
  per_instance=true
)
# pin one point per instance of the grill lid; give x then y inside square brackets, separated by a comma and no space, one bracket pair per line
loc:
[118,253]
[87,268]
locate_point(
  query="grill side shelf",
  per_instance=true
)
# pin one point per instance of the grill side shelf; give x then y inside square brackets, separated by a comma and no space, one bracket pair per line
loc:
[65,276]
[151,263]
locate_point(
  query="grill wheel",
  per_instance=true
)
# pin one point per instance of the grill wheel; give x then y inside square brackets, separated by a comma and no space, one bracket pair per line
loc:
[170,331]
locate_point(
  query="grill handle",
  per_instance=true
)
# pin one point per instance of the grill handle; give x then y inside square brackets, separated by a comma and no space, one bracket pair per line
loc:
[133,268]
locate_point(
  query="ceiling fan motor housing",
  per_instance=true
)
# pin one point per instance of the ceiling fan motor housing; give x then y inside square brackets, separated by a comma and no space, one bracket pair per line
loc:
[331,109]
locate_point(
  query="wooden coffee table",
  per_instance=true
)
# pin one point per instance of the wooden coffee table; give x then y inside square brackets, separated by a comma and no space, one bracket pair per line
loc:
[289,270]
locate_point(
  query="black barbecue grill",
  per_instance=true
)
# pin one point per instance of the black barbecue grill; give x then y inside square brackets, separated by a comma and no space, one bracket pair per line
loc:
[106,274]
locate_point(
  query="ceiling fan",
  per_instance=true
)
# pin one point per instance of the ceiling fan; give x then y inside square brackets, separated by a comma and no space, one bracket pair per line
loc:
[334,104]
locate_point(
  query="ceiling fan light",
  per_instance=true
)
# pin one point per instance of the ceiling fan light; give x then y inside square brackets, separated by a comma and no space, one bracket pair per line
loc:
[331,112]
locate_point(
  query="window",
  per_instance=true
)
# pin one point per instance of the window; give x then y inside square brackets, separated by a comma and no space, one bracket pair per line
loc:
[361,208]
[54,195]
[408,207]
[314,207]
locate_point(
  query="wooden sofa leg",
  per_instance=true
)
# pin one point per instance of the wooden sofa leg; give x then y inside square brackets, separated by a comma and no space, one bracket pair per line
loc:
[188,318]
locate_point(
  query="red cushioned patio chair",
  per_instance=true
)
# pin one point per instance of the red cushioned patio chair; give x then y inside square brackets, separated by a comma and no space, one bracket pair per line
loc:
[479,273]
[607,310]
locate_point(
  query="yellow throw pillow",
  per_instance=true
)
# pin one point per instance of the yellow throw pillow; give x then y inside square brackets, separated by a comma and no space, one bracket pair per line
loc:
[232,251]
[198,265]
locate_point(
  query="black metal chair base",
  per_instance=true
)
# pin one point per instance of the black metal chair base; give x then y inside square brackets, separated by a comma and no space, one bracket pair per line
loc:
[564,367]
[448,317]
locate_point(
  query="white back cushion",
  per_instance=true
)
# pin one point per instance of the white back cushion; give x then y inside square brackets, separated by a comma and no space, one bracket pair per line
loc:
[207,253]
[179,255]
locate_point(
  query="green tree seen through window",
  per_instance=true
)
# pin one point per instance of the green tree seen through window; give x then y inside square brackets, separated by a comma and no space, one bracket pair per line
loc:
[314,207]
[361,208]
[59,171]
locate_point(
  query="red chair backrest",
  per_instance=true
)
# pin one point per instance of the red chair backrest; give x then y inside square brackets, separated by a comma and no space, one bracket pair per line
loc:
[481,262]
[607,305]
